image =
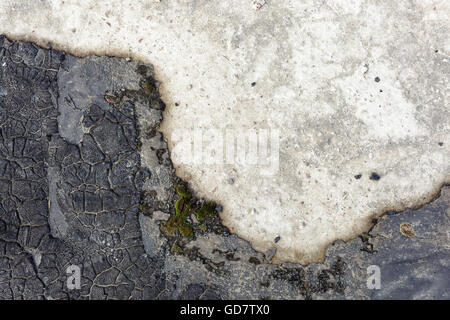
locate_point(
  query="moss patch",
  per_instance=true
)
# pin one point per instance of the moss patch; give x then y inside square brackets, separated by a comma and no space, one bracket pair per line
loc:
[176,249]
[183,192]
[143,207]
[183,208]
[207,209]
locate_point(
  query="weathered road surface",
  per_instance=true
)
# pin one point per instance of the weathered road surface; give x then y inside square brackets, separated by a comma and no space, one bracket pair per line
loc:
[73,191]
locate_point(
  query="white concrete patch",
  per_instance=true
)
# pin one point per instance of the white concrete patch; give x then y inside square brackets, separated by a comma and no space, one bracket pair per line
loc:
[352,87]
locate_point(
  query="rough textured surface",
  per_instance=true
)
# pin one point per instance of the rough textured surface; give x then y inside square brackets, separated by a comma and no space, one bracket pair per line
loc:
[84,197]
[65,203]
[354,88]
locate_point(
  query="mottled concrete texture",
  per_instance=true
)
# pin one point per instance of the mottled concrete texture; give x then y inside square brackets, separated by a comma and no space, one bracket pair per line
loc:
[357,91]
[99,194]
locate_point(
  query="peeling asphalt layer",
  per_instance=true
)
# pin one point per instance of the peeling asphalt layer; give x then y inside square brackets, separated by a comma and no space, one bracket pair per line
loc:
[74,190]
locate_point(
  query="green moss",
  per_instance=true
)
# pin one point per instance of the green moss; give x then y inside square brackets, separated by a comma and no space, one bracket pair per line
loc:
[176,249]
[202,227]
[149,88]
[182,210]
[186,230]
[207,209]
[143,207]
[183,192]
[139,145]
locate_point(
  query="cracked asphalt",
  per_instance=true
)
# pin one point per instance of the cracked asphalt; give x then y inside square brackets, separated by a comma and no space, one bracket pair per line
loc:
[75,190]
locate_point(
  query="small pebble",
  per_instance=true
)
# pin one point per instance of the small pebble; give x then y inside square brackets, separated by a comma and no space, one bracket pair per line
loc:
[374,176]
[277,239]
